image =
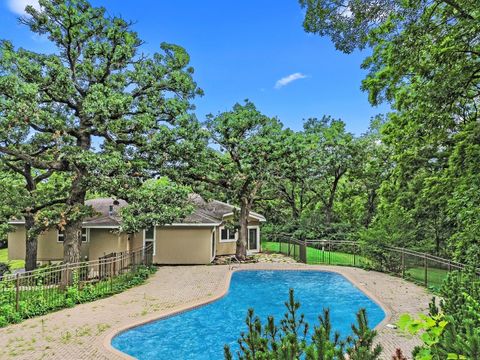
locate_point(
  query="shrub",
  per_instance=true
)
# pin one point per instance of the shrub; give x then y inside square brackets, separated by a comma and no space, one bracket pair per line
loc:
[4,268]
[452,329]
[289,340]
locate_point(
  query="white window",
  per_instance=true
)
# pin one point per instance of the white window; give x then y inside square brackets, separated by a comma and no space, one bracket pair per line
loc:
[85,235]
[149,237]
[227,235]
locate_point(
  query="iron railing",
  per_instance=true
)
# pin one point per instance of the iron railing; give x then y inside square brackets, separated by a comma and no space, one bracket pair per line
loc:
[45,289]
[428,270]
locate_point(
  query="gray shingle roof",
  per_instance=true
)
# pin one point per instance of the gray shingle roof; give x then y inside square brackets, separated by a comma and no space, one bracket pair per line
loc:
[214,209]
[108,211]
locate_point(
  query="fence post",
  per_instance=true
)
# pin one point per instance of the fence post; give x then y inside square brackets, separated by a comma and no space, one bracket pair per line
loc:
[403,263]
[303,252]
[17,292]
[111,275]
[67,275]
[329,252]
[426,269]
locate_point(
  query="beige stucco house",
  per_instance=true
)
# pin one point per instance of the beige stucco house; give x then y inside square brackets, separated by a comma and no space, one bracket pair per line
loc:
[197,239]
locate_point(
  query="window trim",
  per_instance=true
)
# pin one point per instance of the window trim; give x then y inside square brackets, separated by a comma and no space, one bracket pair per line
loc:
[213,239]
[154,240]
[257,227]
[226,240]
[60,234]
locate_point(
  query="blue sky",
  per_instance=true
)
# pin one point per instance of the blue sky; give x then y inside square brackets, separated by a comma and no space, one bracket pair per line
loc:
[241,50]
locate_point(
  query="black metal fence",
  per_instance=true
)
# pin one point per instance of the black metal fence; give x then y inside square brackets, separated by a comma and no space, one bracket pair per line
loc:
[39,291]
[425,269]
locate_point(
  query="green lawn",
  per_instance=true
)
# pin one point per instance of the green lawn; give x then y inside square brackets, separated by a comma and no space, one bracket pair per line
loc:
[15,264]
[435,276]
[317,256]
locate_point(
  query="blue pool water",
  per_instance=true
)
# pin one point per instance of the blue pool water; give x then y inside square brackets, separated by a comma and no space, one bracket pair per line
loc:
[202,332]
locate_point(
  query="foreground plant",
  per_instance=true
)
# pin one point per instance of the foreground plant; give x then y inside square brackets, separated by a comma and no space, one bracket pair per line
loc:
[289,340]
[452,329]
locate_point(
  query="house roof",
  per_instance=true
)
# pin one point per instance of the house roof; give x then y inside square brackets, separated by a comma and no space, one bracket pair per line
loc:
[217,209]
[108,211]
[206,213]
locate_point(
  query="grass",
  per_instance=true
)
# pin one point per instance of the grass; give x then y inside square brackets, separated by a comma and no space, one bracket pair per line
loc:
[435,276]
[14,264]
[318,256]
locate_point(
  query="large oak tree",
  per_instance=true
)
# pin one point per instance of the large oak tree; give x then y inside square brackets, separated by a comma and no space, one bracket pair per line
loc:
[112,111]
[246,147]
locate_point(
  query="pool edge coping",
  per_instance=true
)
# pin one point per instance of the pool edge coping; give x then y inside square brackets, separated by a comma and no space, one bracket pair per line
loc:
[107,340]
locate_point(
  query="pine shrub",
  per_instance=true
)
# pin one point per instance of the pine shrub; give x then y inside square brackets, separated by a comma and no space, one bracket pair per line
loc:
[290,339]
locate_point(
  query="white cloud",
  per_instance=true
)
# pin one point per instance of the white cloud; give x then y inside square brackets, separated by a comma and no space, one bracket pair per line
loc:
[18,6]
[288,79]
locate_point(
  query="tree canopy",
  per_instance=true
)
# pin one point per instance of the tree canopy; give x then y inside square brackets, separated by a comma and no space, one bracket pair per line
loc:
[103,108]
[425,62]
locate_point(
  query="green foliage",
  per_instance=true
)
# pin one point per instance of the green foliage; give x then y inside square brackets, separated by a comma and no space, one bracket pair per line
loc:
[425,64]
[290,341]
[451,331]
[432,329]
[248,148]
[155,202]
[96,84]
[327,182]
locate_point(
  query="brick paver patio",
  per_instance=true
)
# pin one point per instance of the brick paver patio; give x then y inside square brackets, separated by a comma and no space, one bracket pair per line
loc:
[84,332]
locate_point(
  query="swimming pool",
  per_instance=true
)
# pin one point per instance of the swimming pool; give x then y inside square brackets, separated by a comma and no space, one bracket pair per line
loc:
[201,333]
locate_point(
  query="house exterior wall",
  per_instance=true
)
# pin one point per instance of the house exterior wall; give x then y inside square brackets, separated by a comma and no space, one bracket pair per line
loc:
[173,244]
[137,241]
[183,245]
[106,241]
[230,247]
[224,248]
[16,243]
[49,248]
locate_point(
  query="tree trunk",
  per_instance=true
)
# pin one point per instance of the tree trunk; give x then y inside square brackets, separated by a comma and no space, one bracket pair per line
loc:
[73,230]
[30,243]
[331,199]
[72,242]
[372,195]
[241,251]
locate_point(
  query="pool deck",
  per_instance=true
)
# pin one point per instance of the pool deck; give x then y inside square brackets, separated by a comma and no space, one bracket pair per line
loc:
[85,331]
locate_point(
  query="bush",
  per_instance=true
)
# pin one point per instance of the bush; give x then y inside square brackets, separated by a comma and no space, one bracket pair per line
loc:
[452,329]
[289,339]
[4,268]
